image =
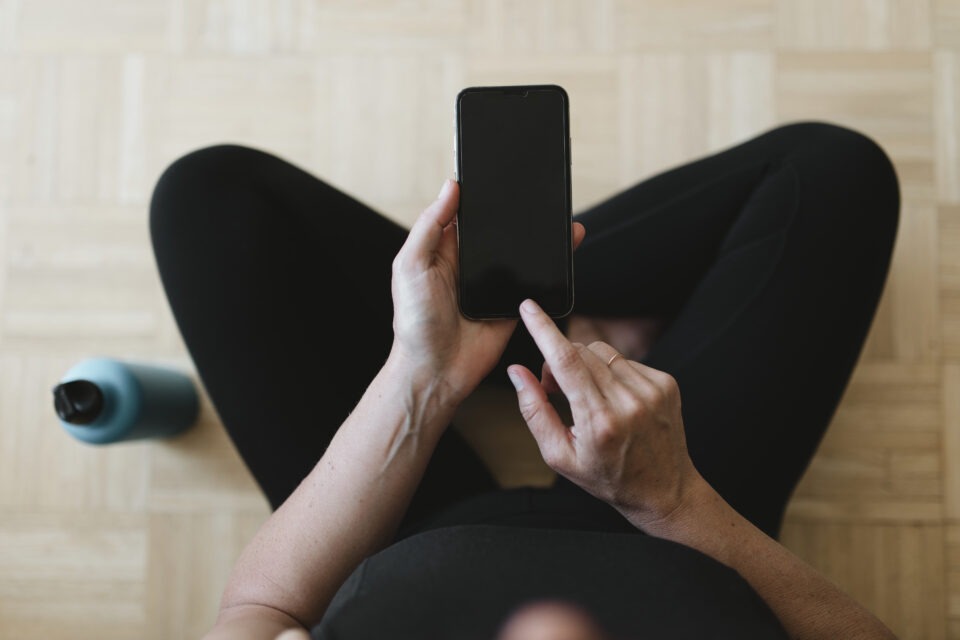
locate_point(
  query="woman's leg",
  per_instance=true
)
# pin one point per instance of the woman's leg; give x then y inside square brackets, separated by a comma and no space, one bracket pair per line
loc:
[768,259]
[280,285]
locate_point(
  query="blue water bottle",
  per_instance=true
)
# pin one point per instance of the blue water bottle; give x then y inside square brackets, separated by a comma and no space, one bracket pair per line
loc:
[101,400]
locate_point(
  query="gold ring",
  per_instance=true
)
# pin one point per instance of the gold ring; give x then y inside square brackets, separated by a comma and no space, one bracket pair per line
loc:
[610,361]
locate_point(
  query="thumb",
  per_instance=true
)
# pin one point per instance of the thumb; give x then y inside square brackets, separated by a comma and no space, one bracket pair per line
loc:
[428,229]
[448,249]
[551,434]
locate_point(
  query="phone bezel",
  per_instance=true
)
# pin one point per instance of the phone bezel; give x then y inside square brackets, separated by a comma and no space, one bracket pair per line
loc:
[513,89]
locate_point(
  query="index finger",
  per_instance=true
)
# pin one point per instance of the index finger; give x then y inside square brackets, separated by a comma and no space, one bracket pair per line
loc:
[566,365]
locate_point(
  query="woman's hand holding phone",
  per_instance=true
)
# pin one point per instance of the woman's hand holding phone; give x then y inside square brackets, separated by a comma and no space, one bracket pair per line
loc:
[432,338]
[627,444]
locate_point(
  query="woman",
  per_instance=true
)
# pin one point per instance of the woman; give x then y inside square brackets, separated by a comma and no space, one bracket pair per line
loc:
[745,281]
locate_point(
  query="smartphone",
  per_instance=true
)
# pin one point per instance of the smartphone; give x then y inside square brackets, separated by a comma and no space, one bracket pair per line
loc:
[514,224]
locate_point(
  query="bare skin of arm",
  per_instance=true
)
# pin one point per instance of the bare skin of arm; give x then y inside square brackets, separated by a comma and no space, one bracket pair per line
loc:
[348,507]
[627,447]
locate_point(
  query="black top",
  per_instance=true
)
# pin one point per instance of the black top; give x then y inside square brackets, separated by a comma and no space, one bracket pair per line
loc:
[462,582]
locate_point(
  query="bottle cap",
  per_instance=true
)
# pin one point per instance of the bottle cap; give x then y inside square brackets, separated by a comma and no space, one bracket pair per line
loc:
[78,401]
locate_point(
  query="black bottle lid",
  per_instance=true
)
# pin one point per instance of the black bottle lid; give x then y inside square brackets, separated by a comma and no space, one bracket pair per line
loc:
[78,401]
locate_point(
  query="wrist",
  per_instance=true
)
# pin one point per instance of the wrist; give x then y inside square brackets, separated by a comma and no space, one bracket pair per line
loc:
[695,499]
[420,382]
[705,522]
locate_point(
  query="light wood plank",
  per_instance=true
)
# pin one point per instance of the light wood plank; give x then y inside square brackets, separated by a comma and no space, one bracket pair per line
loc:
[733,24]
[947,122]
[853,24]
[72,574]
[888,568]
[92,27]
[951,439]
[947,23]
[949,237]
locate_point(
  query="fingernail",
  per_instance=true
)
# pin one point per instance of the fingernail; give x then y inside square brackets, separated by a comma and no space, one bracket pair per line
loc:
[443,188]
[515,379]
[529,306]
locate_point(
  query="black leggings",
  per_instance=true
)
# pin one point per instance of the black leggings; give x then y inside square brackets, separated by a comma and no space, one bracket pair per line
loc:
[767,259]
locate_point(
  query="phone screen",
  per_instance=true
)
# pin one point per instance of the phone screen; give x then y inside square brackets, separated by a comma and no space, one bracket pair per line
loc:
[514,225]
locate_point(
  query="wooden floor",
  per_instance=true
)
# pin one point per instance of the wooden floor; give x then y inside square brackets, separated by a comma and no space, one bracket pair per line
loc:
[97,97]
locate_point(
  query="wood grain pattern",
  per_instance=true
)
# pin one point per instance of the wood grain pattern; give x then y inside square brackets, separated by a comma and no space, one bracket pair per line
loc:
[98,97]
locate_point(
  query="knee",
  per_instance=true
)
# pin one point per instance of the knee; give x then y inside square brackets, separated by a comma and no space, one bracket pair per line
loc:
[849,174]
[189,189]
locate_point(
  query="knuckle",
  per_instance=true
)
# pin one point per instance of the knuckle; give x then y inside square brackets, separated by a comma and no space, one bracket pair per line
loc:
[635,407]
[651,385]
[605,425]
[669,386]
[672,385]
[664,378]
[606,434]
[658,399]
[568,356]
[530,411]
[597,345]
[604,416]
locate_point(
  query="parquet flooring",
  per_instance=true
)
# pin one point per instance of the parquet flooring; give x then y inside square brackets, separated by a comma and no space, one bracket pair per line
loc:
[97,97]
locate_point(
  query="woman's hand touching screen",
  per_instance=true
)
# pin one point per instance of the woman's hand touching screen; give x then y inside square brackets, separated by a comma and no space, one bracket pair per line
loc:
[627,444]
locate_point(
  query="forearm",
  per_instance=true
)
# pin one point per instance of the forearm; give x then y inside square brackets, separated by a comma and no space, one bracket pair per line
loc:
[807,604]
[350,504]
